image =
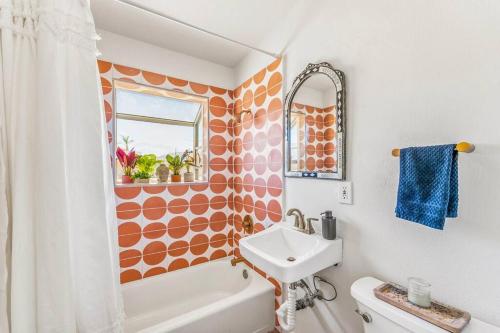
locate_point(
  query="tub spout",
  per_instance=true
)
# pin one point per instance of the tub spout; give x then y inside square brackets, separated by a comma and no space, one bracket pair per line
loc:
[234,261]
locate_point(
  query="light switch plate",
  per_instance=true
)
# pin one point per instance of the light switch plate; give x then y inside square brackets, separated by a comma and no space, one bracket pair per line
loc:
[345,193]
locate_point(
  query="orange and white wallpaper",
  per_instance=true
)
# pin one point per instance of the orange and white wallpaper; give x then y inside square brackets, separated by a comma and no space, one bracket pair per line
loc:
[258,151]
[163,228]
[319,140]
[257,181]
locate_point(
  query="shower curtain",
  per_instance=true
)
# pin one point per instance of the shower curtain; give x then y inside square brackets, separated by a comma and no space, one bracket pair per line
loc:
[58,255]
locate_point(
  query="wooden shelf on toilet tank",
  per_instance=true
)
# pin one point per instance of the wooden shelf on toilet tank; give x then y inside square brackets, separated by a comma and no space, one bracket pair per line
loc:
[442,315]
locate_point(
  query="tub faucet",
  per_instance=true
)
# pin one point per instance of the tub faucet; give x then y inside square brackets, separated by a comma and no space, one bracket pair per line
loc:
[236,260]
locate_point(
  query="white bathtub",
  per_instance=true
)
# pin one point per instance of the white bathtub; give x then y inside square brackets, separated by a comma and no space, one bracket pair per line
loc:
[211,297]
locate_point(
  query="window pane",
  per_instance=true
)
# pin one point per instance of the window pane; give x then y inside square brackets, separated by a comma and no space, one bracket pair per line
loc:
[141,104]
[160,122]
[154,138]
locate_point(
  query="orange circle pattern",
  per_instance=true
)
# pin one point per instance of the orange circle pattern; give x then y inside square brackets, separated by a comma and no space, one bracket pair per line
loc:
[166,228]
[319,153]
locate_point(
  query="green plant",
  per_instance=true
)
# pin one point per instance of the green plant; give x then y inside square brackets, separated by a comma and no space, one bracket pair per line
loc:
[190,160]
[141,175]
[127,141]
[145,166]
[176,162]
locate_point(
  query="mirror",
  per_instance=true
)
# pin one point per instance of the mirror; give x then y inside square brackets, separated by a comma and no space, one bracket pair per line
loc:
[314,122]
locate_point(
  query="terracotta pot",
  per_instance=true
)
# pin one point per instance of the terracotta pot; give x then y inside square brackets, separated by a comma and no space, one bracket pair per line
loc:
[127,180]
[176,178]
[189,177]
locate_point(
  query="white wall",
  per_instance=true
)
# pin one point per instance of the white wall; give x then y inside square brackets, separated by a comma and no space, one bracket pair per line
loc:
[134,53]
[309,96]
[250,65]
[418,72]
[330,97]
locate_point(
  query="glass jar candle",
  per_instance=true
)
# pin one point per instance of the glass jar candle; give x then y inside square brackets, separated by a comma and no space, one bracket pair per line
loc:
[419,292]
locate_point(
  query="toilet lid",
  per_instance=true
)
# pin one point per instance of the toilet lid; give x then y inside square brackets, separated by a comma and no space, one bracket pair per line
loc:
[362,291]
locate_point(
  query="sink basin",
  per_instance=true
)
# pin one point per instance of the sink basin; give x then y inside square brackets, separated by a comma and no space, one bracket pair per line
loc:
[290,255]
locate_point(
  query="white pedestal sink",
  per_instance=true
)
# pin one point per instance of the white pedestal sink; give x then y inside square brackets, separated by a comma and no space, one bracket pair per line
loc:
[290,255]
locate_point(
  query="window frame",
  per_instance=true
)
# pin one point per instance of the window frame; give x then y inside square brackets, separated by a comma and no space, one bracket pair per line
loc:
[202,116]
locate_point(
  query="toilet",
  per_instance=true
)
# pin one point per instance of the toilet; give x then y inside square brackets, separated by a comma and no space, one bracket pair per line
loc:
[381,317]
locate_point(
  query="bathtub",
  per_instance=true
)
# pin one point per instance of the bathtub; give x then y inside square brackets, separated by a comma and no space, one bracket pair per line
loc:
[210,297]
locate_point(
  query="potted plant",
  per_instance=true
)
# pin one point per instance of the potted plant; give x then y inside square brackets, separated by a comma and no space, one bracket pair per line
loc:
[127,141]
[190,162]
[145,168]
[175,164]
[197,164]
[127,161]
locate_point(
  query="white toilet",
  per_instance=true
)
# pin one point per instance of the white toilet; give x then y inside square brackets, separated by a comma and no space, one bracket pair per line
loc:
[381,317]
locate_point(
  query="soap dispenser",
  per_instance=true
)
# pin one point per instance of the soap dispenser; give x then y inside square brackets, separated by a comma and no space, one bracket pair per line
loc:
[328,225]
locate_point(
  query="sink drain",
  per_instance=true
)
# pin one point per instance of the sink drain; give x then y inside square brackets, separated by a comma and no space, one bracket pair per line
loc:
[290,259]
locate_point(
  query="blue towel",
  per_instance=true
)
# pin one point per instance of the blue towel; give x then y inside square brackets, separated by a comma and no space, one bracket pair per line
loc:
[428,185]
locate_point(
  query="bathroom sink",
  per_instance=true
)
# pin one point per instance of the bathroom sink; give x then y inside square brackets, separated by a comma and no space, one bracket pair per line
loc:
[290,255]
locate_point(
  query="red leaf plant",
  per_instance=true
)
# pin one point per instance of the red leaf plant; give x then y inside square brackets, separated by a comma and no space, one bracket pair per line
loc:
[127,160]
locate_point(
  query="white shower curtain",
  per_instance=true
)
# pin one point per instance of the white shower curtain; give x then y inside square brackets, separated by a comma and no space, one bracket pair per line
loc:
[58,255]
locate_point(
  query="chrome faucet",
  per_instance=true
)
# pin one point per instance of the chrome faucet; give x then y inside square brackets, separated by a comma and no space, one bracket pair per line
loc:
[300,224]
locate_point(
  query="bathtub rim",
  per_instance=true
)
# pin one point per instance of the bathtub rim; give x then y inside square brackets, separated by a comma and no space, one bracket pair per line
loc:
[258,286]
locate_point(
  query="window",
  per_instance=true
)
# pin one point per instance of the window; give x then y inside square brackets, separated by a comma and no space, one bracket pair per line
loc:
[160,122]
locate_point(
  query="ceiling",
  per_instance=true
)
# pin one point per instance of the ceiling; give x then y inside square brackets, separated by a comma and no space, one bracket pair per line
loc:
[248,22]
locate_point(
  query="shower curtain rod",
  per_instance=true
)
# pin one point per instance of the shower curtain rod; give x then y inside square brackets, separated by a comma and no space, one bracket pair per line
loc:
[170,18]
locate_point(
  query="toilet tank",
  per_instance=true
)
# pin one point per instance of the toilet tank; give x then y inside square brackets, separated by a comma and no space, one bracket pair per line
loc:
[386,318]
[378,323]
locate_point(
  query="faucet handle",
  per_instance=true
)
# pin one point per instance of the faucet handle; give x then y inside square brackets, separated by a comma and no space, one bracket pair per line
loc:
[309,228]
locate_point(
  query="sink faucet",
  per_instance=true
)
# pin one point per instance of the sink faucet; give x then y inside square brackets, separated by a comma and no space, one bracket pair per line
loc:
[299,217]
[300,224]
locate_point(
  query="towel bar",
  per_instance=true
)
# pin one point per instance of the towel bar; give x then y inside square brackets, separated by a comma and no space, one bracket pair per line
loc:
[462,147]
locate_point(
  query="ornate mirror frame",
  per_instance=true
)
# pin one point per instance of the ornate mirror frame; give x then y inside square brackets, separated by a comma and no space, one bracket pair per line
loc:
[338,79]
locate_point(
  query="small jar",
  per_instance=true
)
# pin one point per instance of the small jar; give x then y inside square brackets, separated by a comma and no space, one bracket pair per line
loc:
[419,292]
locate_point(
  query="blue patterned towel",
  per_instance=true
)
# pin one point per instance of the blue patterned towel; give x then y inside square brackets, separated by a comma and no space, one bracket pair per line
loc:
[428,185]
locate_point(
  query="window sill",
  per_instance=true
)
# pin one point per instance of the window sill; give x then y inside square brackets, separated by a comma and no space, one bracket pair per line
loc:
[199,182]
